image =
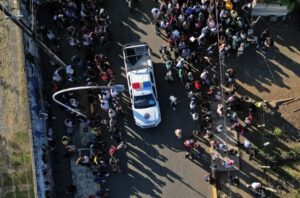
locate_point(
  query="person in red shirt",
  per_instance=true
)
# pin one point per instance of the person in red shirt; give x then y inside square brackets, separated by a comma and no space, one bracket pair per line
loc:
[197,85]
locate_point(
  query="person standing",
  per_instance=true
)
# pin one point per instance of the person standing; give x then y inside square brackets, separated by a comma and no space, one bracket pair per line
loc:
[178,133]
[173,101]
[155,13]
[169,76]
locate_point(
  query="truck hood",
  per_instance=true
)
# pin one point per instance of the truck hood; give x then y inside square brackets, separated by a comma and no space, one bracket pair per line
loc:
[148,117]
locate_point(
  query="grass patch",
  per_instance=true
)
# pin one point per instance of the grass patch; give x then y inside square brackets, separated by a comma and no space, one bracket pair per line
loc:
[6,180]
[293,170]
[20,194]
[21,165]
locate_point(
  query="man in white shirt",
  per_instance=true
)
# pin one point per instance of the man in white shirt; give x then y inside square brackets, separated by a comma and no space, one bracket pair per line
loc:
[204,76]
[255,186]
[192,105]
[179,65]
[155,13]
[247,144]
[195,116]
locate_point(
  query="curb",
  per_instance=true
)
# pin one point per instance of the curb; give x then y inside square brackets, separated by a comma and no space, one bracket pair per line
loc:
[214,186]
[214,191]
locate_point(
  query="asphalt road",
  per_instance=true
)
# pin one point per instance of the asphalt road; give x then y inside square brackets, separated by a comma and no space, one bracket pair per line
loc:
[154,165]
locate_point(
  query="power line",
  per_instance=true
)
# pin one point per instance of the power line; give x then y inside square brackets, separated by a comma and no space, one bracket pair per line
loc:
[21,24]
[221,69]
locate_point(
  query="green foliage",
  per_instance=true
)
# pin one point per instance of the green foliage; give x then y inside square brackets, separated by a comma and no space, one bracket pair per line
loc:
[295,194]
[277,132]
[291,4]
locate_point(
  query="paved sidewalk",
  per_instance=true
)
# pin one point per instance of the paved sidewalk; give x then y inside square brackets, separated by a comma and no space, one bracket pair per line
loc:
[82,176]
[83,180]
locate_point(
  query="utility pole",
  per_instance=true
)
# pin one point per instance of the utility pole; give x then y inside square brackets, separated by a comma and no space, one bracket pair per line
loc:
[117,87]
[31,34]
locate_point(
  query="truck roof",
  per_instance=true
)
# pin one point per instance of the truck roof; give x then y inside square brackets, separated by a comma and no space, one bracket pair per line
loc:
[137,56]
[142,78]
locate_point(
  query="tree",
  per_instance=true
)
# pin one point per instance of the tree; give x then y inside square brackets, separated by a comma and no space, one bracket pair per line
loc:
[277,132]
[291,4]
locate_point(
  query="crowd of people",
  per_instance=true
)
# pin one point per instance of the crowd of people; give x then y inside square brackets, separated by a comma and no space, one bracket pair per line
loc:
[85,24]
[201,33]
[205,34]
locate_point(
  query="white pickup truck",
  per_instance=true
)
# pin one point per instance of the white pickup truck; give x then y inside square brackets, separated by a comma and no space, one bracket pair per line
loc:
[141,85]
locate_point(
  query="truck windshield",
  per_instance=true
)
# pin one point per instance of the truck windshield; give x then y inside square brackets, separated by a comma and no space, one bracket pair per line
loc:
[144,101]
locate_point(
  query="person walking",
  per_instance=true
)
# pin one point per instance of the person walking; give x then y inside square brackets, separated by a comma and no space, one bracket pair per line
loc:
[173,101]
[155,13]
[192,105]
[169,76]
[122,146]
[178,133]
